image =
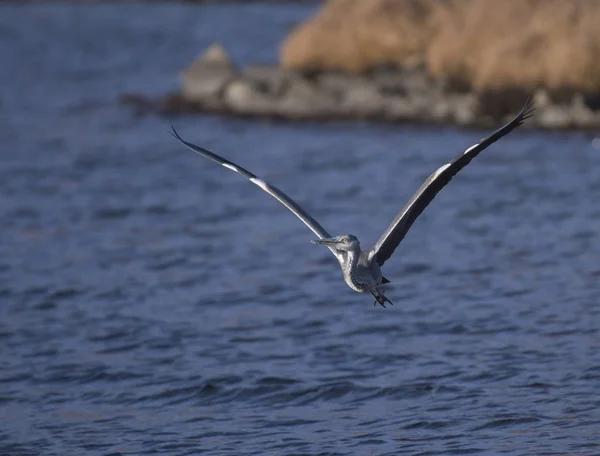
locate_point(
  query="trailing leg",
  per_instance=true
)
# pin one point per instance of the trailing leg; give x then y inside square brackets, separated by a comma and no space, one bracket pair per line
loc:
[379,298]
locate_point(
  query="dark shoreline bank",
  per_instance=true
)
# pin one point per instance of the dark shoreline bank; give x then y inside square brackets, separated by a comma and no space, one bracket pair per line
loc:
[212,84]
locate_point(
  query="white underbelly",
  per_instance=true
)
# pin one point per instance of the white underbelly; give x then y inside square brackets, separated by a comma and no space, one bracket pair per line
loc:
[360,284]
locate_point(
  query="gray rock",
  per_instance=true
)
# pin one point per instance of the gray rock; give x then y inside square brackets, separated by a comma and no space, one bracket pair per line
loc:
[441,108]
[541,98]
[243,96]
[339,84]
[403,82]
[581,115]
[464,108]
[206,78]
[458,108]
[303,100]
[363,101]
[271,79]
[553,117]
[398,108]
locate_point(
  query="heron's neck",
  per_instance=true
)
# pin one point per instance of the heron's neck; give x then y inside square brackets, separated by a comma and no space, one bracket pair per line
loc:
[351,260]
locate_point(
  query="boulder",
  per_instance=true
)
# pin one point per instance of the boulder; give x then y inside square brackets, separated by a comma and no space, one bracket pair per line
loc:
[244,96]
[404,81]
[554,117]
[363,101]
[399,108]
[582,115]
[206,78]
[339,84]
[464,108]
[272,79]
[305,100]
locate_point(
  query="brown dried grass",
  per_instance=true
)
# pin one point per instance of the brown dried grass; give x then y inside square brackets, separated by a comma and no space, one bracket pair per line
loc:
[518,43]
[356,35]
[488,44]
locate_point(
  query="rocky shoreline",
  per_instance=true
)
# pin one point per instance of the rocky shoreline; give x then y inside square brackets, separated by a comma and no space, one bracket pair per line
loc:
[213,84]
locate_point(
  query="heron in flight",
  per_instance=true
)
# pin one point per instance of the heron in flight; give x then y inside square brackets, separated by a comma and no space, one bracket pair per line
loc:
[361,268]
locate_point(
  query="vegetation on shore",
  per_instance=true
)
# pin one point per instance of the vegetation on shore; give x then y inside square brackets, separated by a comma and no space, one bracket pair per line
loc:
[486,45]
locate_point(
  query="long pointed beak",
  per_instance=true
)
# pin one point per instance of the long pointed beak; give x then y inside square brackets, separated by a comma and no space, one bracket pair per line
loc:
[325,241]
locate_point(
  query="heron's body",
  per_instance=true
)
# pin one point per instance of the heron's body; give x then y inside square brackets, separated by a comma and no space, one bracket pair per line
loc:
[361,274]
[362,268]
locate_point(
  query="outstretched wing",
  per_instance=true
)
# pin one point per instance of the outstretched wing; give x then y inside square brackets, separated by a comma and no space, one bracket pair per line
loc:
[393,235]
[288,202]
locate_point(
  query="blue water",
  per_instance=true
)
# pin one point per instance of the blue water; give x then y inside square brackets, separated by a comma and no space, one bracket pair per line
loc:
[152,302]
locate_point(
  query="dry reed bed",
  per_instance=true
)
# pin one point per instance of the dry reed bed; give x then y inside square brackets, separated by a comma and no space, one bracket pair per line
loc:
[489,45]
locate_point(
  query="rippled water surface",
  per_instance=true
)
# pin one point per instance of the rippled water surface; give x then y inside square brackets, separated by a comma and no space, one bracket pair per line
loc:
[152,302]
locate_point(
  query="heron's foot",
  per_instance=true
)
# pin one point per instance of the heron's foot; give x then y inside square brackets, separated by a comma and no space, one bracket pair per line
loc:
[377,301]
[387,300]
[380,299]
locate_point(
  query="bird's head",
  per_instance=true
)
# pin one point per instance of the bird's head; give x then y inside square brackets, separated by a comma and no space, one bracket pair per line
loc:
[343,242]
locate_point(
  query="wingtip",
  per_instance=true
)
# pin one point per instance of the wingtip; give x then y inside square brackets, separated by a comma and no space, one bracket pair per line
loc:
[527,110]
[529,104]
[174,133]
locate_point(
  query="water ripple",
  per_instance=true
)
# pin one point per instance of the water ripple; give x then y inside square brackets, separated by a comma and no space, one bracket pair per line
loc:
[154,303]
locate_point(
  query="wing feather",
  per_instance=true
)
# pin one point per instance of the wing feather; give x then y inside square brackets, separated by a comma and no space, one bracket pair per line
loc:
[280,196]
[393,235]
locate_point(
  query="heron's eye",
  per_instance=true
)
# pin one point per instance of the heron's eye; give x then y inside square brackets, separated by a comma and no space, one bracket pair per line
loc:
[346,239]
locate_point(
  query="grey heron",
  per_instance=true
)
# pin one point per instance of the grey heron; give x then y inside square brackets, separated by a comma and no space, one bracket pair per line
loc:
[361,268]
